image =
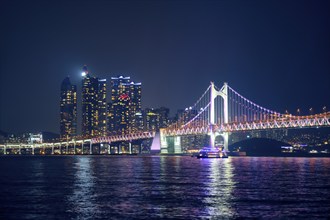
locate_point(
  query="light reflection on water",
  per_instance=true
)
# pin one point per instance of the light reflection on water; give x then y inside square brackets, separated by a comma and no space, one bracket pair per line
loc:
[81,200]
[93,187]
[220,186]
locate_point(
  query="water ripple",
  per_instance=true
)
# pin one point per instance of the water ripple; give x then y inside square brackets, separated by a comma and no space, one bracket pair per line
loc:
[98,187]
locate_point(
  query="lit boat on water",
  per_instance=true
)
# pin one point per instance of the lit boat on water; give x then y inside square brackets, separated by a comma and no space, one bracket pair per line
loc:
[209,152]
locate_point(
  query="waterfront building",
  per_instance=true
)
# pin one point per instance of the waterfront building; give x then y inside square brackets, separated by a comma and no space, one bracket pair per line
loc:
[163,116]
[125,106]
[102,107]
[139,121]
[151,119]
[154,119]
[184,116]
[191,143]
[68,109]
[94,105]
[25,138]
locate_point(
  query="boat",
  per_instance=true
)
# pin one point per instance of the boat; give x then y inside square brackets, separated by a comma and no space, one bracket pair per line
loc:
[209,152]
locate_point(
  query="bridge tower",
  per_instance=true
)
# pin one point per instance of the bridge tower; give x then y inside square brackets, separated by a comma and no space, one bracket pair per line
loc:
[223,92]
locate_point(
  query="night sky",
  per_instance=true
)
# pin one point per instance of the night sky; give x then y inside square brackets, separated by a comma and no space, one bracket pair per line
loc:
[276,53]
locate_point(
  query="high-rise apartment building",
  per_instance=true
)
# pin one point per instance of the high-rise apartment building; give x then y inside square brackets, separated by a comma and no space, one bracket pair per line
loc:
[125,106]
[68,109]
[94,105]
[163,116]
[154,119]
[184,116]
[151,119]
[102,107]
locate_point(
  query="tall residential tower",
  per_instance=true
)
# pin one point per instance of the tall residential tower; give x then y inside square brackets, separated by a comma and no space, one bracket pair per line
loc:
[125,106]
[68,109]
[94,107]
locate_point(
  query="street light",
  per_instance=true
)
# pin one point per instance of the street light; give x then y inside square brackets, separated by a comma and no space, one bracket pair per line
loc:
[311,111]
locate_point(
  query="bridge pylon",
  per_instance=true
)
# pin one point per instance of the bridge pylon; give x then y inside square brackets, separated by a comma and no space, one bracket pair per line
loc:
[223,92]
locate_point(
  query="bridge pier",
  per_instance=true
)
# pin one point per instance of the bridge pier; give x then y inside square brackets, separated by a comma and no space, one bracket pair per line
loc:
[163,144]
[170,145]
[177,145]
[82,146]
[212,138]
[225,136]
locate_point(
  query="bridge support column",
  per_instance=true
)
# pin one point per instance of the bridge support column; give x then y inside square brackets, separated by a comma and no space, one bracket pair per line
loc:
[53,149]
[177,145]
[130,147]
[19,149]
[82,147]
[225,136]
[4,150]
[163,145]
[109,148]
[90,148]
[224,94]
[74,148]
[67,148]
[212,139]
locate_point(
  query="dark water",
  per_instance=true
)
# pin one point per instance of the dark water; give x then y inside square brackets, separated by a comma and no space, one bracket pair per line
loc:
[92,187]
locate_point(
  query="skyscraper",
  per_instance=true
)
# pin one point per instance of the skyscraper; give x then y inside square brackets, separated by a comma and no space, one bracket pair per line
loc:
[151,119]
[102,107]
[94,107]
[68,109]
[125,106]
[163,116]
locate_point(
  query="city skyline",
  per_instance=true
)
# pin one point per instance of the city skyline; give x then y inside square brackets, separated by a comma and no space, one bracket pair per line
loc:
[280,61]
[156,109]
[106,109]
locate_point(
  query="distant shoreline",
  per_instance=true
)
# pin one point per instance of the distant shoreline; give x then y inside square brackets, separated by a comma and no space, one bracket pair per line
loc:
[307,155]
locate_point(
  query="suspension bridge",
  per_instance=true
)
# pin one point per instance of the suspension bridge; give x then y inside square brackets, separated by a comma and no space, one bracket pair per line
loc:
[218,112]
[222,111]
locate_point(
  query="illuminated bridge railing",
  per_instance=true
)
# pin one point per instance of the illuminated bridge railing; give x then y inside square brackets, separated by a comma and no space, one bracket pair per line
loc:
[320,120]
[191,130]
[127,137]
[77,146]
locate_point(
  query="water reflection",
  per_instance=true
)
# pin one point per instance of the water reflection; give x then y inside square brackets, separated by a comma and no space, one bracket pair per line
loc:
[98,187]
[82,201]
[220,185]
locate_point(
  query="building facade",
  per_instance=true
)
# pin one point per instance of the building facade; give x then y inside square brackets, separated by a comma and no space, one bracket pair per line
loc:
[125,106]
[154,119]
[68,110]
[163,113]
[102,107]
[94,105]
[151,119]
